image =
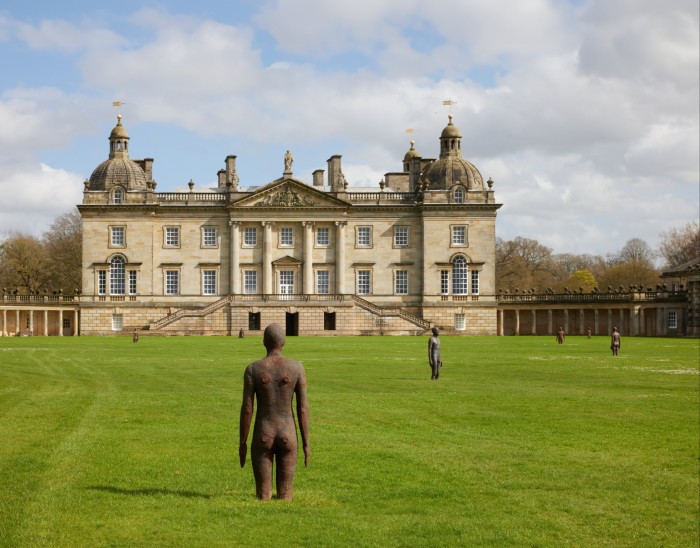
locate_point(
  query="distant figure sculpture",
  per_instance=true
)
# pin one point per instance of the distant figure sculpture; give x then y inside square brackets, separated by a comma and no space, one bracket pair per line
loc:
[288,160]
[274,380]
[434,357]
[588,332]
[560,335]
[615,341]
[136,335]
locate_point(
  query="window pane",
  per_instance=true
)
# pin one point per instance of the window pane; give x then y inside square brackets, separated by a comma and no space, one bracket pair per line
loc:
[250,281]
[363,282]
[117,277]
[444,282]
[172,236]
[132,282]
[475,282]
[401,236]
[250,236]
[459,235]
[118,238]
[101,282]
[209,235]
[459,276]
[209,282]
[117,322]
[401,282]
[172,282]
[364,237]
[322,237]
[322,285]
[460,322]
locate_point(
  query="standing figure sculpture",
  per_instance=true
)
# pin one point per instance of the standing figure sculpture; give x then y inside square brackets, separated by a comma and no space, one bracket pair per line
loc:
[288,160]
[274,381]
[561,336]
[434,357]
[615,341]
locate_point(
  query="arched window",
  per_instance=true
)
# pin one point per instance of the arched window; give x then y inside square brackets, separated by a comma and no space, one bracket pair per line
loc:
[458,195]
[118,196]
[460,279]
[117,284]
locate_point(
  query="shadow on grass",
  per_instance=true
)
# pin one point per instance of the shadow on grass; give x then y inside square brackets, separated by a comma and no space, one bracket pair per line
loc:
[148,491]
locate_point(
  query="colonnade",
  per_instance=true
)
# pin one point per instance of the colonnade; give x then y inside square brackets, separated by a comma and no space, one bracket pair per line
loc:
[33,316]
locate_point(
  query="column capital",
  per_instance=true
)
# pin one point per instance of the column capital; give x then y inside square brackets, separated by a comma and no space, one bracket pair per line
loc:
[341,224]
[234,223]
[308,224]
[267,224]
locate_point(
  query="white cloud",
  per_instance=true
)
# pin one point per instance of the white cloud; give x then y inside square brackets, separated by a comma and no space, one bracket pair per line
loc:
[66,36]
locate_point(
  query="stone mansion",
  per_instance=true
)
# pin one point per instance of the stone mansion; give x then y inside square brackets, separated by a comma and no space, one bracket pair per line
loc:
[318,257]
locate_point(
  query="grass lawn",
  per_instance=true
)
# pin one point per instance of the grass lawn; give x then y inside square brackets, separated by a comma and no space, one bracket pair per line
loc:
[522,442]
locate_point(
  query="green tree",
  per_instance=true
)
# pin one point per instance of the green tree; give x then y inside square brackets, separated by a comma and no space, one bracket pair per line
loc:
[583,279]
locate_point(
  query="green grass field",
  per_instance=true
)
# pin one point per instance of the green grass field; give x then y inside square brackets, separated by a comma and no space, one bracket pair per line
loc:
[522,442]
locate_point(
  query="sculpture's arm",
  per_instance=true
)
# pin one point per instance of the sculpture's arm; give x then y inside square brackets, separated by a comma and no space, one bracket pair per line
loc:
[303,413]
[430,351]
[246,414]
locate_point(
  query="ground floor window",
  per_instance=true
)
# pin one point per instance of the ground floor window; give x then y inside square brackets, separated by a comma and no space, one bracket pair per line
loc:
[329,321]
[672,320]
[117,322]
[253,321]
[460,322]
[66,323]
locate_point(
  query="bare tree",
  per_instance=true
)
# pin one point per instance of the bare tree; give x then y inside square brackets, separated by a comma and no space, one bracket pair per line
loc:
[64,245]
[24,264]
[522,263]
[678,246]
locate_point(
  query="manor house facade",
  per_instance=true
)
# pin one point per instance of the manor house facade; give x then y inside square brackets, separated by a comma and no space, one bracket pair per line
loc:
[318,257]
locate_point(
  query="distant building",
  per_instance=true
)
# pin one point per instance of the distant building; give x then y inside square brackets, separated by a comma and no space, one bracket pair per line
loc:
[319,258]
[687,276]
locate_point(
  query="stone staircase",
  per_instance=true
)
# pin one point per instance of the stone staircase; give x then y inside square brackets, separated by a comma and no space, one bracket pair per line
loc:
[391,311]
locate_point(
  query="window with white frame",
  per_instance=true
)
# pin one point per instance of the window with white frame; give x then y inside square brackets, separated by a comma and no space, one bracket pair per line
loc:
[117,322]
[475,282]
[401,282]
[459,235]
[101,282]
[322,282]
[209,236]
[286,236]
[117,236]
[118,196]
[172,236]
[458,195]
[364,236]
[172,282]
[672,320]
[400,236]
[364,282]
[460,322]
[117,276]
[132,282]
[250,281]
[323,236]
[250,236]
[209,282]
[459,276]
[444,282]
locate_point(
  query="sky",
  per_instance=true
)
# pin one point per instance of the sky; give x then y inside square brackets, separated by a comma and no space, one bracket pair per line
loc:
[584,113]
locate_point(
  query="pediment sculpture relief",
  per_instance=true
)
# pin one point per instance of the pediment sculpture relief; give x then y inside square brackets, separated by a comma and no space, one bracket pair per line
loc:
[286,197]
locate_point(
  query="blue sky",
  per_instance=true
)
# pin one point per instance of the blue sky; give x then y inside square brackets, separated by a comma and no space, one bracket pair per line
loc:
[584,113]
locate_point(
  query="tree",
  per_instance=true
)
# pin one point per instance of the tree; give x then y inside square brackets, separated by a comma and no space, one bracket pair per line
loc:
[678,246]
[636,251]
[522,263]
[25,264]
[583,279]
[64,245]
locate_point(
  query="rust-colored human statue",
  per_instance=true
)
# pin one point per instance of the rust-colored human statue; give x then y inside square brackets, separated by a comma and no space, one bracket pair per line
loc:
[274,381]
[434,358]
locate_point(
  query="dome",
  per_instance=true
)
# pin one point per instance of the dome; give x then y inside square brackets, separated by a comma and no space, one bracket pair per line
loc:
[412,153]
[118,172]
[451,131]
[452,170]
[119,131]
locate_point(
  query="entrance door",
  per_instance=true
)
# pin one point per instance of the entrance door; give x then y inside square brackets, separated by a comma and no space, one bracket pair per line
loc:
[287,283]
[292,324]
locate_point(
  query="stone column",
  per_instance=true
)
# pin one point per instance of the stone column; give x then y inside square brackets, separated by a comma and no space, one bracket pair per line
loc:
[549,321]
[60,323]
[566,320]
[596,323]
[340,257]
[18,329]
[31,321]
[235,262]
[3,332]
[622,320]
[517,321]
[500,322]
[267,257]
[308,275]
[46,323]
[76,322]
[610,325]
[641,323]
[534,322]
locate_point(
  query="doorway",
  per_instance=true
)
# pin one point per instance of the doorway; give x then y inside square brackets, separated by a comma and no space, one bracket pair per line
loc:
[292,324]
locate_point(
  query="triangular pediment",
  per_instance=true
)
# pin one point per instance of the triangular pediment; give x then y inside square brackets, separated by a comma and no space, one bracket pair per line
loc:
[287,261]
[289,192]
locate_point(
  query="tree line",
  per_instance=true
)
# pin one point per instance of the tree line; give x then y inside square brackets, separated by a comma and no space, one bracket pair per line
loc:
[53,263]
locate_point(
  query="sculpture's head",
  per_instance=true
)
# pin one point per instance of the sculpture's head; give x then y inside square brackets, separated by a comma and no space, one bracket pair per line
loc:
[436,331]
[273,336]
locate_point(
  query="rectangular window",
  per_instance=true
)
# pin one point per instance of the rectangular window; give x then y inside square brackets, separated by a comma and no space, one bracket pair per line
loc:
[172,236]
[209,236]
[672,320]
[254,321]
[250,281]
[364,282]
[401,282]
[364,236]
[132,282]
[460,322]
[250,236]
[322,285]
[286,237]
[118,236]
[117,322]
[66,323]
[329,321]
[172,282]
[401,236]
[209,282]
[323,236]
[475,282]
[287,282]
[101,282]
[444,282]
[459,235]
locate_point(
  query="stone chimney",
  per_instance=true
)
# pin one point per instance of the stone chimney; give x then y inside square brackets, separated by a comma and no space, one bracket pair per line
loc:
[318,177]
[148,168]
[334,178]
[222,178]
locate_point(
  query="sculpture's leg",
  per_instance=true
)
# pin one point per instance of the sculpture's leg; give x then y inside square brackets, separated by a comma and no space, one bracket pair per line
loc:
[262,470]
[284,474]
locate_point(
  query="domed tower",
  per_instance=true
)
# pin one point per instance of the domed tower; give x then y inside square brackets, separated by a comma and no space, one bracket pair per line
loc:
[451,169]
[118,170]
[412,153]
